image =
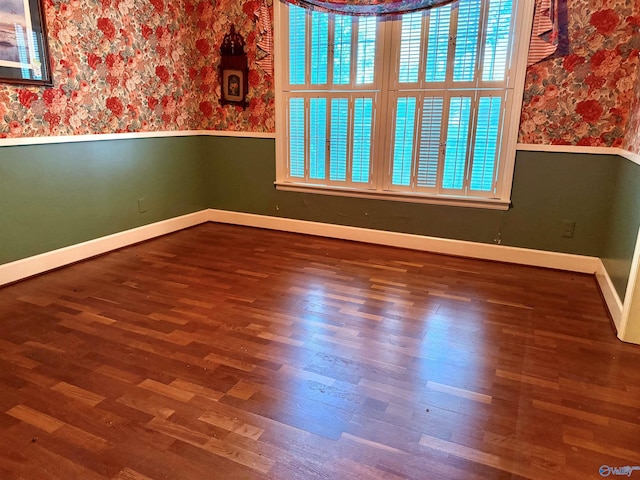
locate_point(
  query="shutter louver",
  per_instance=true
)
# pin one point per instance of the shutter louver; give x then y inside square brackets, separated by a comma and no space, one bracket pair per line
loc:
[342,50]
[410,45]
[339,138]
[362,125]
[319,48]
[317,138]
[296,137]
[403,141]
[485,148]
[457,143]
[365,67]
[430,133]
[466,52]
[497,40]
[438,46]
[297,46]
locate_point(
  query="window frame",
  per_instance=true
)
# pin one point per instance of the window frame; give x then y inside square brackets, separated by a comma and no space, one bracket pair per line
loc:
[387,85]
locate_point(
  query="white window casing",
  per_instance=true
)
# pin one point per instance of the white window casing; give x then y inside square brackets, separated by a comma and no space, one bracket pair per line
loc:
[423,107]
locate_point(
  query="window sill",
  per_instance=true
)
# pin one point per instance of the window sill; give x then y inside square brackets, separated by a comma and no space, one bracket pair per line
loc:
[449,200]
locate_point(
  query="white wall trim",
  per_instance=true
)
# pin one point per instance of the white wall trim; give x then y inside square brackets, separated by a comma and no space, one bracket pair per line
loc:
[28,267]
[530,147]
[11,142]
[611,297]
[630,295]
[634,157]
[477,202]
[21,269]
[501,253]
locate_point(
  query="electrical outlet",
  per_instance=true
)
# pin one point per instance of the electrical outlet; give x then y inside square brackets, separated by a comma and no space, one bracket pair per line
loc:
[142,205]
[568,227]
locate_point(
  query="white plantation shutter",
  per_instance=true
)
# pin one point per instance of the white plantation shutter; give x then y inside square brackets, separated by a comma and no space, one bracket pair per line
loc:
[330,137]
[362,141]
[430,145]
[339,138]
[438,44]
[403,141]
[342,50]
[410,47]
[459,123]
[319,48]
[496,52]
[466,40]
[317,137]
[296,137]
[367,36]
[409,106]
[485,143]
[297,46]
[457,143]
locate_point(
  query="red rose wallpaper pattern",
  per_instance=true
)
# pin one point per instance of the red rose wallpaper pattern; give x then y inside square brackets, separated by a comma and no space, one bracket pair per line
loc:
[632,138]
[587,97]
[150,65]
[125,66]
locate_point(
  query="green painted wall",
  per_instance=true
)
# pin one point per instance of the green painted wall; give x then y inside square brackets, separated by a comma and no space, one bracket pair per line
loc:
[56,195]
[548,189]
[624,221]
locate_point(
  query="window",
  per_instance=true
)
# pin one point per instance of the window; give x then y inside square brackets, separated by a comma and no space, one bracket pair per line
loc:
[423,106]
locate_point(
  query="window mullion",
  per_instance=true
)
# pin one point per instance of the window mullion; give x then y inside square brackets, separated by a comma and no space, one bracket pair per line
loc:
[417,134]
[327,143]
[473,125]
[331,50]
[307,146]
[443,140]
[424,45]
[482,32]
[308,56]
[384,113]
[350,135]
[355,27]
[482,38]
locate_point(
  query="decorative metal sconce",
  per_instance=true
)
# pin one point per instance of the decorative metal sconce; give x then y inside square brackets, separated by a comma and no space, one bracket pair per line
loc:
[233,70]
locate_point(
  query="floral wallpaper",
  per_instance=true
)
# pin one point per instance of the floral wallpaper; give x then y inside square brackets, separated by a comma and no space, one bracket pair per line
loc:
[585,97]
[151,65]
[632,139]
[138,65]
[212,21]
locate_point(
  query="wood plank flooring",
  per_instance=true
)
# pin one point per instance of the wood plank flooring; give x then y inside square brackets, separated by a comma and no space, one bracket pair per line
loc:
[225,352]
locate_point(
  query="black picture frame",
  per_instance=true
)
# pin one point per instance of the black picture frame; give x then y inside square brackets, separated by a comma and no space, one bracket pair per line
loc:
[233,90]
[24,48]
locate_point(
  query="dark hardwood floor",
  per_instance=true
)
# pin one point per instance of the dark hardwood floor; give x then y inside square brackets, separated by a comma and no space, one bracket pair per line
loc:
[223,352]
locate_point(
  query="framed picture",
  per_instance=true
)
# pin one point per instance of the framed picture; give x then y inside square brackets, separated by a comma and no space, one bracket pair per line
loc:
[233,85]
[24,50]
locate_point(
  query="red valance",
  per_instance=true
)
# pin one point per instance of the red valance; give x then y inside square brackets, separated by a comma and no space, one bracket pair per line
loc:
[369,7]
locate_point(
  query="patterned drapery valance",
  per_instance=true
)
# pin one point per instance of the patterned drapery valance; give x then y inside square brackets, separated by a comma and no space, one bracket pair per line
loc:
[369,7]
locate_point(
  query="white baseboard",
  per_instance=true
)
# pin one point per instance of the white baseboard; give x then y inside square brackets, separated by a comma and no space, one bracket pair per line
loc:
[21,269]
[611,297]
[501,253]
